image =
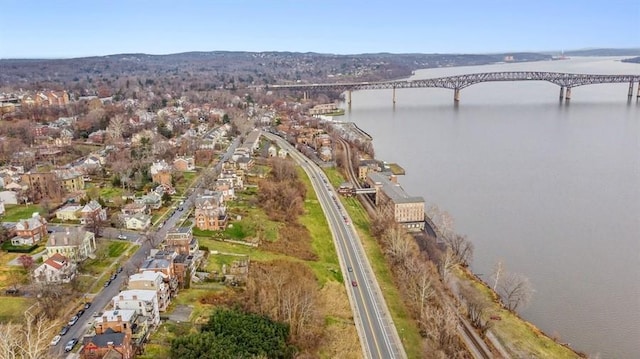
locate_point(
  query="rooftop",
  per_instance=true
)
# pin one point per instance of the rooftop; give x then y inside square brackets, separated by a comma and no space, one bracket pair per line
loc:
[393,190]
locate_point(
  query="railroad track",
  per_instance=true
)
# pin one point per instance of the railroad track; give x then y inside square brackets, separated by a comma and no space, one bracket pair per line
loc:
[474,343]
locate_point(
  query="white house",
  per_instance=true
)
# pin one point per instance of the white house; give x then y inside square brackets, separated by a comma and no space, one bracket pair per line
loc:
[144,302]
[2,210]
[9,197]
[56,269]
[76,244]
[151,280]
[69,213]
[138,221]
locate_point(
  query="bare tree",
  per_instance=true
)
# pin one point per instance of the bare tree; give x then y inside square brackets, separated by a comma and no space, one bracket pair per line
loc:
[397,243]
[28,339]
[514,290]
[476,308]
[461,247]
[497,272]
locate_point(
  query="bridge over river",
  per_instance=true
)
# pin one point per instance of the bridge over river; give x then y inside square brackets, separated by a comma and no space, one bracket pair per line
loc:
[566,81]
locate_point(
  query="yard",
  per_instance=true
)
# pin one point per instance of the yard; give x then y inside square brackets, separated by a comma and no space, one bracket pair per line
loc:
[105,262]
[12,308]
[16,212]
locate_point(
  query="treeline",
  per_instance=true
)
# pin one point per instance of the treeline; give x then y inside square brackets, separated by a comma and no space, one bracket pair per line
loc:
[231,333]
[282,194]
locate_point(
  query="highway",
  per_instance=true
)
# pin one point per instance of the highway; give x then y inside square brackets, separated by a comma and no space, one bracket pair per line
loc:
[103,298]
[378,335]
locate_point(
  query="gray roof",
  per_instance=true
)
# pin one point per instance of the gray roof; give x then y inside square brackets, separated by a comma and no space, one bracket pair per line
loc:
[393,190]
[103,340]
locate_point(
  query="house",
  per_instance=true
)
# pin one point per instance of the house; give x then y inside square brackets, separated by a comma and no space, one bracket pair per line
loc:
[56,269]
[162,262]
[151,200]
[272,151]
[138,221]
[184,163]
[124,321]
[144,302]
[210,214]
[70,212]
[9,197]
[135,208]
[226,189]
[30,231]
[108,345]
[2,210]
[282,153]
[92,211]
[150,280]
[181,241]
[160,172]
[75,243]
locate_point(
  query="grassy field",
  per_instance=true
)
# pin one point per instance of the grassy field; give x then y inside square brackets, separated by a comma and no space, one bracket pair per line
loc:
[16,212]
[519,337]
[12,308]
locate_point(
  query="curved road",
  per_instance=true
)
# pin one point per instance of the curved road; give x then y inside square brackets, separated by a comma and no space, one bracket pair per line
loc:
[378,335]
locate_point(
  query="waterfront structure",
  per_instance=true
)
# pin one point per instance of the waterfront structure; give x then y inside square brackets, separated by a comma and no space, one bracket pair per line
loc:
[566,81]
[391,198]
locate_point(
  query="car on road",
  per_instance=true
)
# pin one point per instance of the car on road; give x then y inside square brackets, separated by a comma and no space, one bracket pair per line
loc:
[350,269]
[354,283]
[73,320]
[64,330]
[80,312]
[106,284]
[56,340]
[87,305]
[122,236]
[70,344]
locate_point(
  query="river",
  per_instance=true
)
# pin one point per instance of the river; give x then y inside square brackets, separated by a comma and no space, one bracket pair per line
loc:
[550,189]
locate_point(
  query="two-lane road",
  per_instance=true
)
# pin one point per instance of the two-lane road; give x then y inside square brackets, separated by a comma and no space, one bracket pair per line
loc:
[378,335]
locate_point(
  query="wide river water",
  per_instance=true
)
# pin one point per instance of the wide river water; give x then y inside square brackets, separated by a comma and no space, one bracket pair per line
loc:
[550,189]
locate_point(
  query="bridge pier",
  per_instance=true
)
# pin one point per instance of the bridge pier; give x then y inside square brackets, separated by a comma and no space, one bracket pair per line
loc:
[349,98]
[567,95]
[638,95]
[631,89]
[305,96]
[456,95]
[561,93]
[394,95]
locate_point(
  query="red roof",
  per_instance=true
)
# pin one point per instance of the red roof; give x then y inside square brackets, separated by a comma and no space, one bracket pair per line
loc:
[56,261]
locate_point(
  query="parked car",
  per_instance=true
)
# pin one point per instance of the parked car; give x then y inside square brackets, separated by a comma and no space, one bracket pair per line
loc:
[87,305]
[113,276]
[64,330]
[73,320]
[80,312]
[122,236]
[120,269]
[56,340]
[106,284]
[70,344]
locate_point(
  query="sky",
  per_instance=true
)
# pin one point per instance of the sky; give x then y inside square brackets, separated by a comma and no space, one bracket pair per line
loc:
[78,28]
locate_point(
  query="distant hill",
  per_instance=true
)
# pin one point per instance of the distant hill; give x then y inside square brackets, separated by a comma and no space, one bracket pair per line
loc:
[236,68]
[604,52]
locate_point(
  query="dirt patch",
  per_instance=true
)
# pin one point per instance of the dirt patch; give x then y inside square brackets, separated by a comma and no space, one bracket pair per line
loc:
[180,314]
[293,240]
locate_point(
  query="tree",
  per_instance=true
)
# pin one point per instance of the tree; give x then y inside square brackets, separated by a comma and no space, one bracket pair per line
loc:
[96,221]
[514,290]
[26,340]
[461,248]
[26,261]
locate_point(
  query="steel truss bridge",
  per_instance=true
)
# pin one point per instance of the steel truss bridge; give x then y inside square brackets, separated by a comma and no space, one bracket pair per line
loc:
[566,81]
